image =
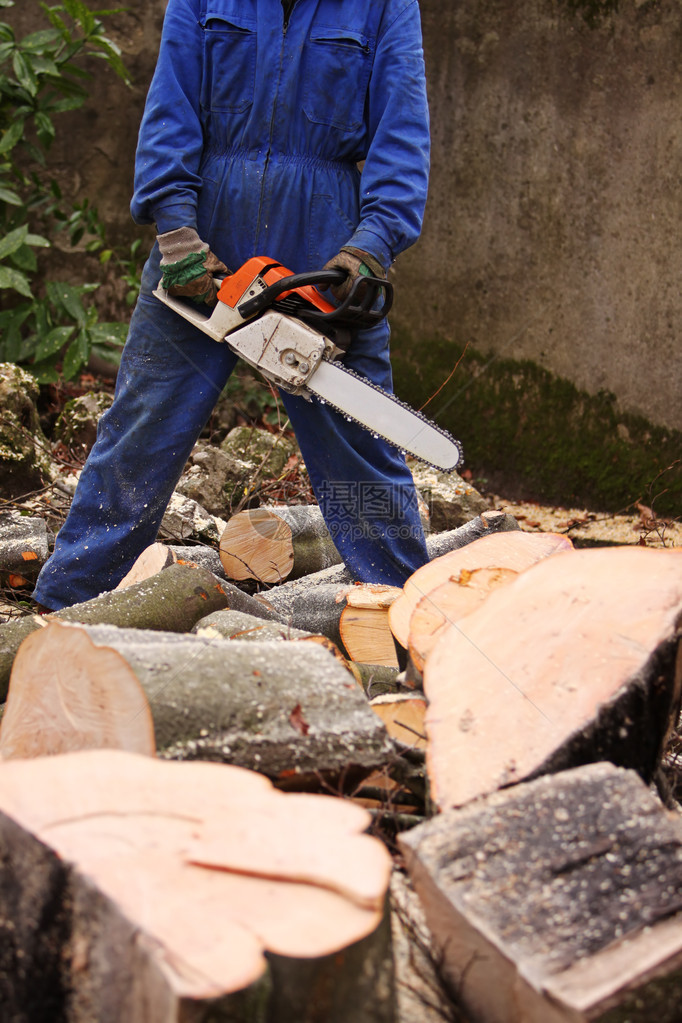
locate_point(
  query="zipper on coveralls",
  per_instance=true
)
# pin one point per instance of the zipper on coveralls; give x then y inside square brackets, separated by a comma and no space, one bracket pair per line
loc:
[285,25]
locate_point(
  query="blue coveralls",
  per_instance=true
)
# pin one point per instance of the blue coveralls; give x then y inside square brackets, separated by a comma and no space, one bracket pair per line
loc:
[252,133]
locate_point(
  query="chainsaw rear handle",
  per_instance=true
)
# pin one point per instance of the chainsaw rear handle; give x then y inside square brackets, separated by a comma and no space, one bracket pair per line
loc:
[355,310]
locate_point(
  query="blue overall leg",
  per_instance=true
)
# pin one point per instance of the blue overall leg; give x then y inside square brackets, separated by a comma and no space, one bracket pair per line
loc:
[170,378]
[362,483]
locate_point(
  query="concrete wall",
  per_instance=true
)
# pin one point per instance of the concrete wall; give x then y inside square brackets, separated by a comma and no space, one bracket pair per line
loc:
[554,222]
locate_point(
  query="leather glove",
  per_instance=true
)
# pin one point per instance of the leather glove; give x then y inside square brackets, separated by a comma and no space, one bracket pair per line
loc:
[189,266]
[357,263]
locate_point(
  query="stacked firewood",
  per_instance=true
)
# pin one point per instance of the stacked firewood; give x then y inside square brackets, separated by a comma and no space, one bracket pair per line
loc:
[501,716]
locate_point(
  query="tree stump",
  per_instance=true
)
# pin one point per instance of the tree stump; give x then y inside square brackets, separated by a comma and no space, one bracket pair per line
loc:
[133,889]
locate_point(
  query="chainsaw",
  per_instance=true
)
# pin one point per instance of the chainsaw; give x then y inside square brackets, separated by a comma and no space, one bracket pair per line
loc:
[280,324]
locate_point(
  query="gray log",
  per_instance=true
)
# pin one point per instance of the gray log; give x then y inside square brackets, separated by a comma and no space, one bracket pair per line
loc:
[24,546]
[172,601]
[557,901]
[274,707]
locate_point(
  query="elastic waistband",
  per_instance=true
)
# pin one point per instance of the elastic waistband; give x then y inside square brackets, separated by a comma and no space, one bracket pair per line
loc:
[253,155]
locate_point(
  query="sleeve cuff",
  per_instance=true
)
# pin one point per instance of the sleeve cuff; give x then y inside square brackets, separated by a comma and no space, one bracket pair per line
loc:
[170,218]
[370,242]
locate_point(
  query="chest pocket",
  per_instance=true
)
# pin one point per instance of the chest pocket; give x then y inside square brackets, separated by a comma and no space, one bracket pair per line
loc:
[337,69]
[229,61]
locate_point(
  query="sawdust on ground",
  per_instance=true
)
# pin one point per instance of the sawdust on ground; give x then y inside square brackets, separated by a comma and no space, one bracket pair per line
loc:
[588,528]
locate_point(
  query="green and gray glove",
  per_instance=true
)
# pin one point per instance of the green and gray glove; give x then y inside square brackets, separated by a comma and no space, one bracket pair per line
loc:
[357,263]
[189,266]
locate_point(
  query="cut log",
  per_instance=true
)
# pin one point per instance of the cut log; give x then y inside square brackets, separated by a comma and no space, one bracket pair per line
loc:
[447,603]
[153,560]
[376,679]
[171,601]
[160,888]
[363,625]
[311,603]
[573,661]
[483,525]
[283,708]
[277,542]
[403,716]
[508,549]
[556,901]
[230,624]
[57,703]
[159,556]
[23,545]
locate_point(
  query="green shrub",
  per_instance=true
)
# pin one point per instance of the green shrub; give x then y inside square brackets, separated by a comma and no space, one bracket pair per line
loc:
[46,325]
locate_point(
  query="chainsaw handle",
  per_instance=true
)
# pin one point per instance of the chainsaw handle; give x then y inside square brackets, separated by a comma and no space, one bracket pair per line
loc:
[356,309]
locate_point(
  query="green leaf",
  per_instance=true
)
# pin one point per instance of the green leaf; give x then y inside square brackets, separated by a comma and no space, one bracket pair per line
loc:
[76,356]
[25,74]
[37,241]
[109,335]
[46,39]
[12,241]
[25,259]
[67,297]
[53,342]
[13,280]
[10,197]
[11,136]
[45,372]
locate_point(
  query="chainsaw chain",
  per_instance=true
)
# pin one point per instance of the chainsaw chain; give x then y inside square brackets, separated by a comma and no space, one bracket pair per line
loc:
[397,401]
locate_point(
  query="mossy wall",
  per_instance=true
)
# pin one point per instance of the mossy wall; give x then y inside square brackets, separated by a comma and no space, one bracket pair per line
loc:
[533,435]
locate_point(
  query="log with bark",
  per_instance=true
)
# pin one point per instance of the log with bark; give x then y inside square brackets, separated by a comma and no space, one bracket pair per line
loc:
[137,890]
[287,709]
[170,601]
[509,549]
[557,901]
[276,542]
[229,624]
[576,660]
[159,556]
[23,547]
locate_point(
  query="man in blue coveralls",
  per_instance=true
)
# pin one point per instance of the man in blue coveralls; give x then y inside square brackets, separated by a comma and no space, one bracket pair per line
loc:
[257,118]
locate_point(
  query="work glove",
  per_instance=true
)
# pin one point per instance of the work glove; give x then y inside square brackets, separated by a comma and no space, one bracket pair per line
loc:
[189,266]
[356,263]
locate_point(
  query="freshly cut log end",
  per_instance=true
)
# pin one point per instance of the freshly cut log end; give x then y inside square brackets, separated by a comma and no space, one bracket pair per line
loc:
[556,901]
[514,550]
[574,661]
[208,864]
[271,544]
[364,627]
[256,544]
[403,715]
[447,603]
[66,693]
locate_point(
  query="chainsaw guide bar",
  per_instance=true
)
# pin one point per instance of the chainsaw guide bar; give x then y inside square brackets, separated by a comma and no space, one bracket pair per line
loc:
[296,350]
